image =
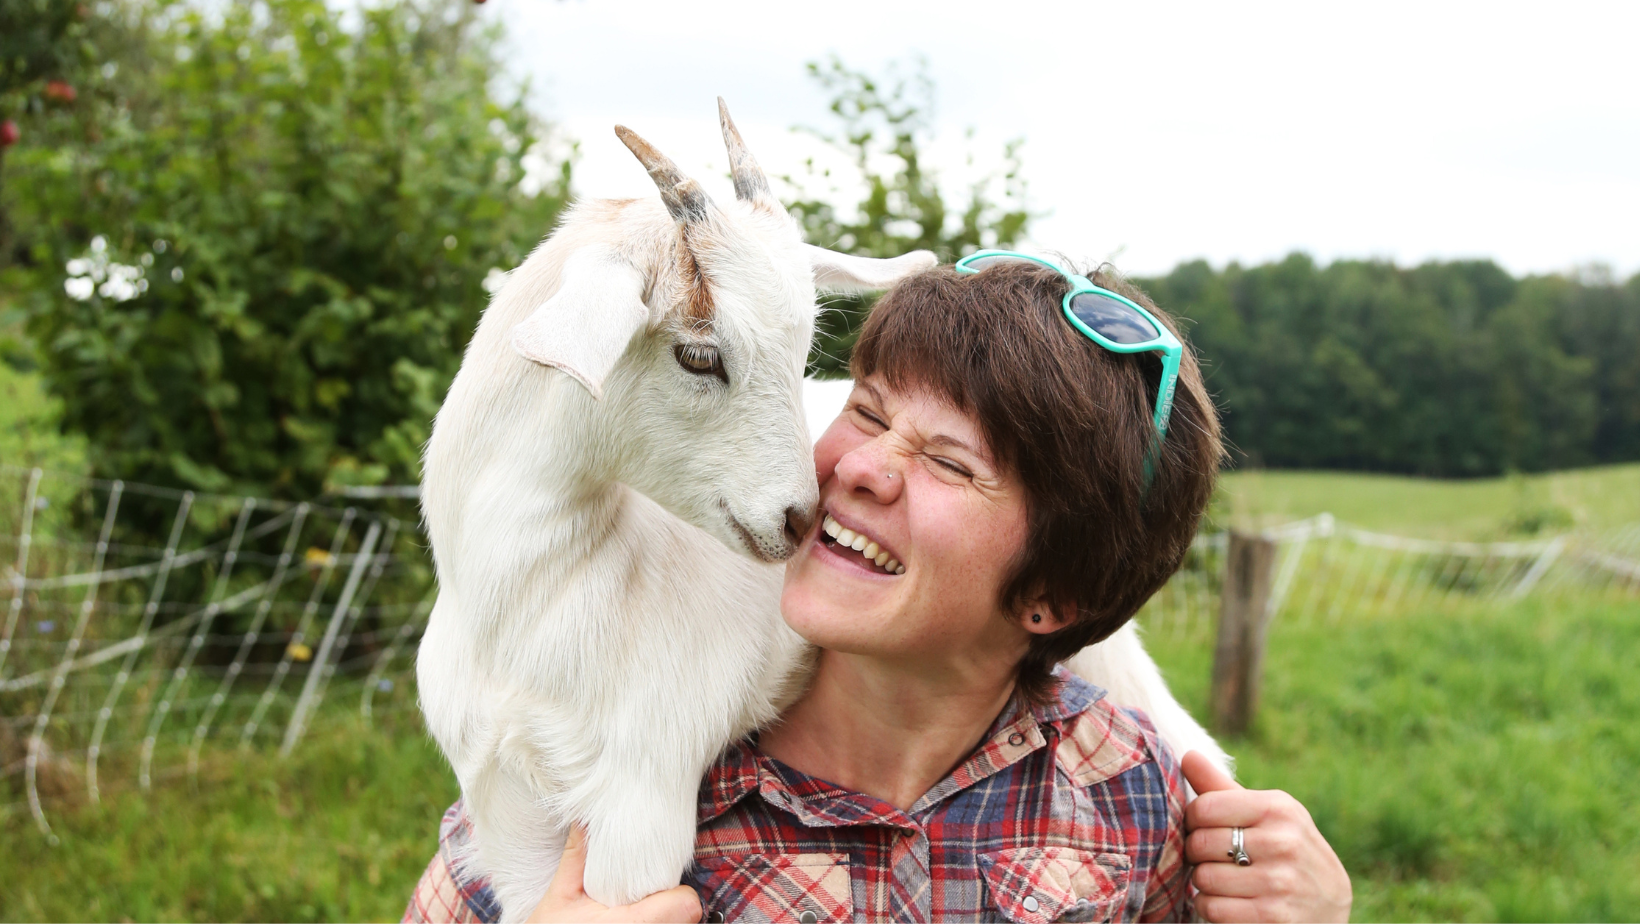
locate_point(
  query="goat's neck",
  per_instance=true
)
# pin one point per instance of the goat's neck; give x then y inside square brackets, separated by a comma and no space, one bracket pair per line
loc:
[525,487]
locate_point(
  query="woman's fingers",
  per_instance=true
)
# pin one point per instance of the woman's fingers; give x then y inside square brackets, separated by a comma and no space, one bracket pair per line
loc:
[1269,844]
[1240,808]
[676,905]
[1234,881]
[1222,908]
[1294,876]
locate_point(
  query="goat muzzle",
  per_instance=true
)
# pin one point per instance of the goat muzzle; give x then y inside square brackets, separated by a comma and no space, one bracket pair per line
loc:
[799,520]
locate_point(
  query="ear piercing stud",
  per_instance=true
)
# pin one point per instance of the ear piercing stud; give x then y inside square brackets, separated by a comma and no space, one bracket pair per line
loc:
[1036,617]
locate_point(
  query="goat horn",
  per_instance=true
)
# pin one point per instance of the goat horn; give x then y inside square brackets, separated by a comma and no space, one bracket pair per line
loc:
[750,183]
[683,196]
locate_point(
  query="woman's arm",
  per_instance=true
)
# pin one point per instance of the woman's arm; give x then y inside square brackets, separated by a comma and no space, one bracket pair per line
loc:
[1294,875]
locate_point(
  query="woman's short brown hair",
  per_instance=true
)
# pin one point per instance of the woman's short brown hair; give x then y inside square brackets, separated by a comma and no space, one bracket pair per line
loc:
[1073,421]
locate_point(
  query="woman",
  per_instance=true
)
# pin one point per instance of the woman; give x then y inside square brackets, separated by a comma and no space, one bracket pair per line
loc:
[1008,468]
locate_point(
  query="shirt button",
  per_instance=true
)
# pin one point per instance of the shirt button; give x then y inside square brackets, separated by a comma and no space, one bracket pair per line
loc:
[1031,904]
[715,917]
[807,917]
[1016,739]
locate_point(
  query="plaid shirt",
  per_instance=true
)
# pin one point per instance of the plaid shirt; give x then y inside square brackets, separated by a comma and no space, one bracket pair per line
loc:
[1071,811]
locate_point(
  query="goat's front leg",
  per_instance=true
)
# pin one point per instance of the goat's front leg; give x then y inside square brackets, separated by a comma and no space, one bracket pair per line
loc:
[640,837]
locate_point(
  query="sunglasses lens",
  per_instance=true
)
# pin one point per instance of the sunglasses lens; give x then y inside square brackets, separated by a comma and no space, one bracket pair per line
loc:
[1111,319]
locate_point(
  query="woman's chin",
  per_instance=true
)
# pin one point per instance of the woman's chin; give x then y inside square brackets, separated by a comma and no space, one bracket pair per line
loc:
[829,610]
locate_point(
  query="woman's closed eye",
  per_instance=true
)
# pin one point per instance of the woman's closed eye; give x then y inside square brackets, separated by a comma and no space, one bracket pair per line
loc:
[951,466]
[869,417]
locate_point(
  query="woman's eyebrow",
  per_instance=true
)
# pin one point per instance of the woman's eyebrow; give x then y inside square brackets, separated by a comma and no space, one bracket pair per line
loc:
[941,439]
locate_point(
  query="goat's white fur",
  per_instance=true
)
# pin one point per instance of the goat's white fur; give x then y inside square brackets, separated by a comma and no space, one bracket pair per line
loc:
[606,528]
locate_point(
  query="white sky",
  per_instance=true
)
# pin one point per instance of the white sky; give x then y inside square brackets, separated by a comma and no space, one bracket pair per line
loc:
[1157,133]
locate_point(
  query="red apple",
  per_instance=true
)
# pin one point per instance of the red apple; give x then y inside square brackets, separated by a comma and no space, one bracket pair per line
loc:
[59,92]
[9,133]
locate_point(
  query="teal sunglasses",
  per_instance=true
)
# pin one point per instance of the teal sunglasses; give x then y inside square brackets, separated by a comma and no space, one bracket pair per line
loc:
[1115,323]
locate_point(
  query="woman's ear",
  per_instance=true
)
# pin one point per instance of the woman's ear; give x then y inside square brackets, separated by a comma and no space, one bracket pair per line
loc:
[1042,617]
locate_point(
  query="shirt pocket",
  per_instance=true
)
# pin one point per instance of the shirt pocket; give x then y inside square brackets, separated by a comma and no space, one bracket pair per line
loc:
[796,888]
[1034,885]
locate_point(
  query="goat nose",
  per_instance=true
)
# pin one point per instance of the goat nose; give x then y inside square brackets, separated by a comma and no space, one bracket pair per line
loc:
[799,520]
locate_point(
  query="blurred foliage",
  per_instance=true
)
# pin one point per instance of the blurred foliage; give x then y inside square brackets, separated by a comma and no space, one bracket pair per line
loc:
[1445,369]
[45,47]
[884,129]
[251,261]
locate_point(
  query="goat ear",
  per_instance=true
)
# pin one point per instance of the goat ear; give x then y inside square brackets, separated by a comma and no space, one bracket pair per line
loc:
[844,273]
[586,326]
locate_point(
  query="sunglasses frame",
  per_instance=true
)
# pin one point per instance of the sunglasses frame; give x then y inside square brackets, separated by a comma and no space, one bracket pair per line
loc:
[1164,343]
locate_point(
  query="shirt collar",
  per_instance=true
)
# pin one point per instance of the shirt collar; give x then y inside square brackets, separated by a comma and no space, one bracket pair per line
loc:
[1017,732]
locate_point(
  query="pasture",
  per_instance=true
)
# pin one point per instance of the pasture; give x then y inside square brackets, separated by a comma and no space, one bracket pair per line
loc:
[1474,763]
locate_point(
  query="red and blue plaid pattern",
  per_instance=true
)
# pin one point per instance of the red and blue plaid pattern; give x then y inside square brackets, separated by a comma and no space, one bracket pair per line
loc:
[1071,811]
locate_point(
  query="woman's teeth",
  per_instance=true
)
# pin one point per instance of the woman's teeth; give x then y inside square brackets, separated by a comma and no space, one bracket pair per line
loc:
[862,544]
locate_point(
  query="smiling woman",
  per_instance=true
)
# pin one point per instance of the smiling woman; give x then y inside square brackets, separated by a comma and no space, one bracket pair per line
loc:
[987,510]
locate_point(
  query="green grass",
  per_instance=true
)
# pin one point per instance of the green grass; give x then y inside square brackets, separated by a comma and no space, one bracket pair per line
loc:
[1472,767]
[1482,508]
[340,832]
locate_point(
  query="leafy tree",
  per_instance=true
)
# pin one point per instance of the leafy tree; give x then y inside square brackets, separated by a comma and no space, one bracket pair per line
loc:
[1446,369]
[884,127]
[43,48]
[276,242]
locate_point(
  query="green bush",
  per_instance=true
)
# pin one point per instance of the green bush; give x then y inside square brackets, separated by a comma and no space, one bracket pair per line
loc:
[308,213]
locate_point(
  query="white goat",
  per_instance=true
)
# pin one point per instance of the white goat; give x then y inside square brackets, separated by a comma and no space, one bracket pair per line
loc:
[617,471]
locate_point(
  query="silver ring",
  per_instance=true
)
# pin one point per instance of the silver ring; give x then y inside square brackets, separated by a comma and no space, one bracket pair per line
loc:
[1238,848]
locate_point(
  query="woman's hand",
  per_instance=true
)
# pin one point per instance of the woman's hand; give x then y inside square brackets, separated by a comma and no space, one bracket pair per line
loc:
[1295,876]
[567,900]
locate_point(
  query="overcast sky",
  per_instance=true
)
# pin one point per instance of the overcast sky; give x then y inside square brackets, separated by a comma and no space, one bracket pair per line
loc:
[1159,133]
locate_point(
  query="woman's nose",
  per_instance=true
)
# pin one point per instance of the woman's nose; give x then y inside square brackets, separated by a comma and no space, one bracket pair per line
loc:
[871,470]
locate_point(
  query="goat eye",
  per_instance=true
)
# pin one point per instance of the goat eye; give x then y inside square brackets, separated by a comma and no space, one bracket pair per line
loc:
[701,360]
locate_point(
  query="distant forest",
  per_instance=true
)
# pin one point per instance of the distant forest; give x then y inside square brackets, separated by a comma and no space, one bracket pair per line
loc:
[1445,369]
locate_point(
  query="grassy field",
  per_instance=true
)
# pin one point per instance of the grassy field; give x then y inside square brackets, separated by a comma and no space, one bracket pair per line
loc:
[340,832]
[1478,509]
[1471,767]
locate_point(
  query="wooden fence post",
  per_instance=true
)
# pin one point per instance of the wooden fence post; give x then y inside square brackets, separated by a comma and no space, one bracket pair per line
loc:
[1244,615]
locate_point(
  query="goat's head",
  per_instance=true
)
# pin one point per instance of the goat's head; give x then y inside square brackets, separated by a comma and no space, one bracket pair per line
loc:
[696,350]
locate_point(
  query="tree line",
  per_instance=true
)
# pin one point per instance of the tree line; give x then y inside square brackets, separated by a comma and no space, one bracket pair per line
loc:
[245,246]
[1444,369]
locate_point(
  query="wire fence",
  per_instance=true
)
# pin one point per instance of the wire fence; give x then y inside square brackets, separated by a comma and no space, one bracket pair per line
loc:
[143,625]
[1327,571]
[145,628]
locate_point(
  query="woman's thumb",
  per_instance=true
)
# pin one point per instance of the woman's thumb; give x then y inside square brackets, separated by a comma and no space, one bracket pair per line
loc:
[1204,775]
[570,876]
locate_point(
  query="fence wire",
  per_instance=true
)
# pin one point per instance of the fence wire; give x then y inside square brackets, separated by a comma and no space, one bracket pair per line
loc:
[190,619]
[1327,571]
[155,624]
